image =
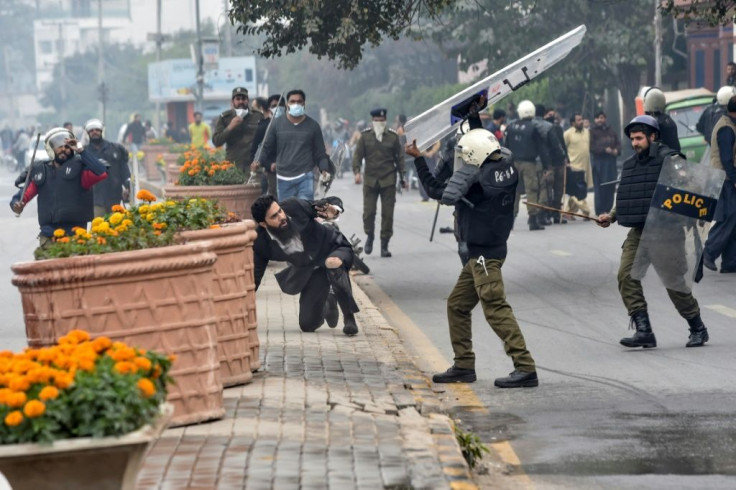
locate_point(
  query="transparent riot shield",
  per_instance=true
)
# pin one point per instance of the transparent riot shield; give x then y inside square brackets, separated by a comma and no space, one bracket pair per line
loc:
[677,223]
[444,118]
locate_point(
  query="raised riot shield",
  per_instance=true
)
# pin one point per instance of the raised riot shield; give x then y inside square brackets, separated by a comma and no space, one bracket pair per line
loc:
[444,118]
[678,221]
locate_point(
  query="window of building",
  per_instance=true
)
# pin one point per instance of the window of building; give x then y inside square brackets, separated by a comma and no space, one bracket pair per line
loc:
[699,68]
[248,75]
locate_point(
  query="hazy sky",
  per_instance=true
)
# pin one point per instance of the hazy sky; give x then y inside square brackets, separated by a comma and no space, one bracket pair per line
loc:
[176,15]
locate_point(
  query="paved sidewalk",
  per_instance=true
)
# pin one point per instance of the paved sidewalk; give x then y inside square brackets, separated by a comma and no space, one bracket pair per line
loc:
[325,411]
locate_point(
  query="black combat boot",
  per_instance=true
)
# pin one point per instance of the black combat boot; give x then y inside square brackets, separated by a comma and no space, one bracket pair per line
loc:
[644,337]
[330,310]
[455,375]
[698,332]
[535,223]
[384,248]
[368,245]
[518,379]
[350,328]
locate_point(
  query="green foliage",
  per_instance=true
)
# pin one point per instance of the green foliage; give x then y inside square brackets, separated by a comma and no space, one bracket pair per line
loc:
[471,446]
[339,30]
[202,166]
[712,12]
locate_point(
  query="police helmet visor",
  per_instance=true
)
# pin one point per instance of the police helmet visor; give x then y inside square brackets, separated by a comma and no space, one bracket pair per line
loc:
[57,140]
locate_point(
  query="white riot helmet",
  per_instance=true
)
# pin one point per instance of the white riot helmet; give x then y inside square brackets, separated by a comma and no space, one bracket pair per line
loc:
[724,94]
[56,138]
[654,100]
[474,147]
[94,124]
[526,109]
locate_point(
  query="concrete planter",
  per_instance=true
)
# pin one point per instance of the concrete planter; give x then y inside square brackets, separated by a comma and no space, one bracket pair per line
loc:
[236,198]
[233,292]
[107,463]
[156,299]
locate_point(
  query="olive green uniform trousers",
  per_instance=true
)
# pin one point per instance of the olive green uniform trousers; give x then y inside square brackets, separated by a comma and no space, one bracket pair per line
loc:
[485,284]
[631,291]
[531,174]
[370,203]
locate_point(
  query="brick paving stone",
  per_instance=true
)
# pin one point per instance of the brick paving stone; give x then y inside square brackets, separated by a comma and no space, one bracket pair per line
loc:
[325,411]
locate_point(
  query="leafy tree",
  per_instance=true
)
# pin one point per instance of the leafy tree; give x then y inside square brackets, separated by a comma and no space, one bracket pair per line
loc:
[16,43]
[337,29]
[713,12]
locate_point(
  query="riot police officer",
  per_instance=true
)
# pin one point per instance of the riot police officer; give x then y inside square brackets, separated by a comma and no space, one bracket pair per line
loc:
[639,178]
[654,104]
[115,157]
[63,185]
[530,150]
[482,189]
[381,149]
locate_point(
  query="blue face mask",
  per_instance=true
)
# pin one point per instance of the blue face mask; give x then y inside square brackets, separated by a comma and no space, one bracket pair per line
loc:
[296,110]
[278,111]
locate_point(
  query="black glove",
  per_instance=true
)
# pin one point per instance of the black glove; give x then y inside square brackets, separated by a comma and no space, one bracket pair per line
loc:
[459,184]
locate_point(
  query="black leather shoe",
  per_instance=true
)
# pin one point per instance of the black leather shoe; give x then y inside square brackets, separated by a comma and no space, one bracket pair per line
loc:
[368,245]
[698,333]
[644,337]
[727,270]
[518,379]
[350,328]
[535,224]
[331,313]
[709,263]
[384,249]
[455,375]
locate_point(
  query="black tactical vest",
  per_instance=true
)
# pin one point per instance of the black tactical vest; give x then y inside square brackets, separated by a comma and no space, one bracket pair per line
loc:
[61,197]
[639,177]
[521,140]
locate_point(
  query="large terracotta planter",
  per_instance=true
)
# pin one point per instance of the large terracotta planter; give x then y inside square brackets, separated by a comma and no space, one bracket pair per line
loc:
[233,288]
[106,463]
[150,155]
[157,298]
[236,198]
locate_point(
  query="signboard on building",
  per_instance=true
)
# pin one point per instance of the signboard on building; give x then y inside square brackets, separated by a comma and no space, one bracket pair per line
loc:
[175,80]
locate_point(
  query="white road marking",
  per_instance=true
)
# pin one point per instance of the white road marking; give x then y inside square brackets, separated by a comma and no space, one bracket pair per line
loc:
[723,310]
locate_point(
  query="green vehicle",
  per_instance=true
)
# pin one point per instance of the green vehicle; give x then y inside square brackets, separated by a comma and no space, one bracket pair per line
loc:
[685,108]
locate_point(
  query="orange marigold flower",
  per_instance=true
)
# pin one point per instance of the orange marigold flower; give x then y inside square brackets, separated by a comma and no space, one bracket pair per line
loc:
[48,393]
[125,367]
[14,418]
[117,208]
[156,371]
[80,335]
[101,344]
[101,240]
[4,394]
[34,408]
[172,357]
[63,240]
[143,362]
[145,195]
[192,173]
[159,226]
[19,383]
[6,353]
[58,233]
[63,380]
[214,227]
[86,365]
[16,399]
[147,387]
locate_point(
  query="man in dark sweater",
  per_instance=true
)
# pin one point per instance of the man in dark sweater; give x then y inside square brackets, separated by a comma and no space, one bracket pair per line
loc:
[296,144]
[604,148]
[319,257]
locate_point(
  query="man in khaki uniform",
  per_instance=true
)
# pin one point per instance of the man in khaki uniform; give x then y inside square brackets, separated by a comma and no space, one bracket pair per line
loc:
[577,140]
[237,127]
[381,149]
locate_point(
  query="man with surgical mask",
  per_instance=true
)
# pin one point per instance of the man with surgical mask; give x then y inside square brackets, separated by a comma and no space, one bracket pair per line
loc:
[236,129]
[384,159]
[295,143]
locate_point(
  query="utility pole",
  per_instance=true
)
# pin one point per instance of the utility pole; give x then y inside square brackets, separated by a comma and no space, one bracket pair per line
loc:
[199,101]
[101,63]
[157,114]
[657,46]
[228,34]
[62,71]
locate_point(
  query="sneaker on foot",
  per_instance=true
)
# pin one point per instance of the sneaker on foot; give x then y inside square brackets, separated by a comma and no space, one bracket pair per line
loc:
[518,379]
[455,375]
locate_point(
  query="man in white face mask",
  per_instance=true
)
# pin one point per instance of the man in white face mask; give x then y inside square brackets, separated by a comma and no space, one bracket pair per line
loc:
[236,128]
[384,159]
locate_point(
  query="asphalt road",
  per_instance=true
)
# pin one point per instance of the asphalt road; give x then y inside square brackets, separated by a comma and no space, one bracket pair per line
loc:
[603,416]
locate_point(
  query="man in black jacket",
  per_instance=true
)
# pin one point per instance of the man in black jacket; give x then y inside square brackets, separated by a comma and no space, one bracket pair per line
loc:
[319,258]
[114,157]
[482,189]
[639,178]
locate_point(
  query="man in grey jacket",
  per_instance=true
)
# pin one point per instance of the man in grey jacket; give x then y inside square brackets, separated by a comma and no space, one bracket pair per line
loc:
[296,144]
